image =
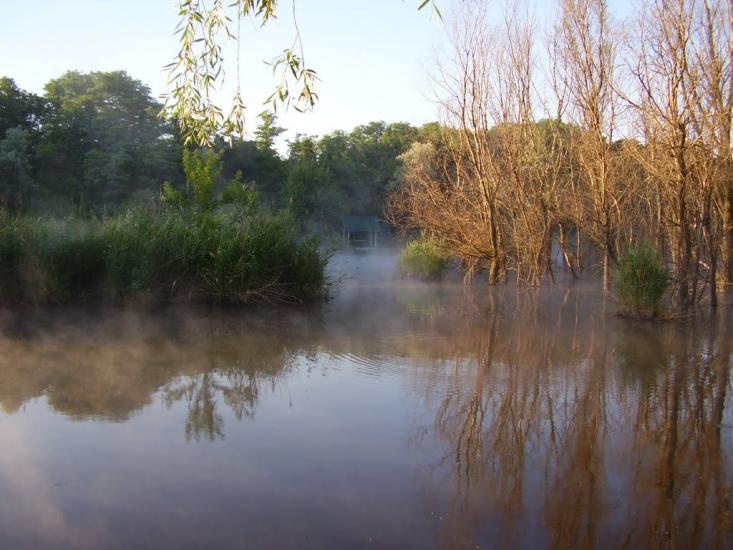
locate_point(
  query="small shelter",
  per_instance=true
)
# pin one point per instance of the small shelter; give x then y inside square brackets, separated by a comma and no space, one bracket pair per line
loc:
[361,232]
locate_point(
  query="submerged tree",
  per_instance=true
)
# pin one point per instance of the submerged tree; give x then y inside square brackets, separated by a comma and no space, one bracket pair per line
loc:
[499,187]
[681,146]
[489,189]
[586,48]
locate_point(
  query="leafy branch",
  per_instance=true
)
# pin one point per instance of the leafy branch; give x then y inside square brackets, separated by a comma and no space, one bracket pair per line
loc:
[198,69]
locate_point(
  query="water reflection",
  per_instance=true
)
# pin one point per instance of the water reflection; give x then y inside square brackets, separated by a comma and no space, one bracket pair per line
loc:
[519,419]
[607,433]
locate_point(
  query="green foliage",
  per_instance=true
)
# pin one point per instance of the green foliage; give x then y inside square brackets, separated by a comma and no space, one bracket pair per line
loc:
[267,131]
[263,168]
[362,163]
[305,148]
[310,194]
[93,144]
[16,237]
[423,258]
[39,260]
[18,108]
[172,196]
[100,140]
[641,281]
[241,194]
[198,68]
[202,169]
[203,173]
[143,255]
[16,182]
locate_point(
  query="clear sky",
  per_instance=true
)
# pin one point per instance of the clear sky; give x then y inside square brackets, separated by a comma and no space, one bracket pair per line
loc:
[372,55]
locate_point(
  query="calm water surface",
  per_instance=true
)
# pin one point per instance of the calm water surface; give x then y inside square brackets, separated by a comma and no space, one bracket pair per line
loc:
[396,416]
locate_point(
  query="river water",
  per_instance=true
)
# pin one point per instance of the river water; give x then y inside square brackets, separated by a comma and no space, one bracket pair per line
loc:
[397,415]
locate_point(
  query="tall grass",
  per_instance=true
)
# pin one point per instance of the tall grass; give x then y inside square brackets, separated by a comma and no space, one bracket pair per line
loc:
[641,281]
[158,256]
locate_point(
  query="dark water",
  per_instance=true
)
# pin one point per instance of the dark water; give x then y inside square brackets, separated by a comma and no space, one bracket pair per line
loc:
[397,416]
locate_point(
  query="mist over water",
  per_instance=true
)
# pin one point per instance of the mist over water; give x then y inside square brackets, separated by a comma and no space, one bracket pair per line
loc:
[398,414]
[362,268]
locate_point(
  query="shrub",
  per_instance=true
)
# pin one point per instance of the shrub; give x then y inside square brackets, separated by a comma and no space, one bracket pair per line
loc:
[641,281]
[423,258]
[203,170]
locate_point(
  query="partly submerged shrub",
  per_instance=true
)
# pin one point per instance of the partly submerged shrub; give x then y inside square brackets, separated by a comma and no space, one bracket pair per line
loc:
[641,281]
[423,258]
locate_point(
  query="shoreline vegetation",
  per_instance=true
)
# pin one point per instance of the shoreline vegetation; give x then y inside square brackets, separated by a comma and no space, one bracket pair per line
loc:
[618,166]
[164,256]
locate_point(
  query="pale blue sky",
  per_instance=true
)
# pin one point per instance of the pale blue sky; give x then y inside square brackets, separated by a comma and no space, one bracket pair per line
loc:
[372,55]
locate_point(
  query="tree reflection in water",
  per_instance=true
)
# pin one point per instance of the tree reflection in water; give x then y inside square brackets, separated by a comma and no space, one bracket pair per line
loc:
[237,386]
[609,432]
[550,422]
[107,369]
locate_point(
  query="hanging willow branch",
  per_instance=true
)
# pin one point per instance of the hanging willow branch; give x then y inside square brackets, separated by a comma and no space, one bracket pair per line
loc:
[198,69]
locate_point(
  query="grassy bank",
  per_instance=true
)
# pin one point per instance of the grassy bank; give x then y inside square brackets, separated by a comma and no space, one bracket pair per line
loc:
[164,256]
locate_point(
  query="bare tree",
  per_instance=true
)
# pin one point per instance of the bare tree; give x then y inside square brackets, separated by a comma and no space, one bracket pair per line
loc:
[661,70]
[712,53]
[489,192]
[501,186]
[587,50]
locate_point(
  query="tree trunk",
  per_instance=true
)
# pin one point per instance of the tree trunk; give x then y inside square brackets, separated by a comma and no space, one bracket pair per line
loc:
[728,235]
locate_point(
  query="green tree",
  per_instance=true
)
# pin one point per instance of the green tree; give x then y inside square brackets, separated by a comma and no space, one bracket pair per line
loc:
[310,194]
[362,163]
[303,148]
[202,169]
[18,108]
[16,183]
[101,140]
[263,168]
[267,131]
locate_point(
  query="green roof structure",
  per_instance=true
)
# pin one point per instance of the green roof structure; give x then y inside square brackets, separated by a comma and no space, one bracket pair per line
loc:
[357,224]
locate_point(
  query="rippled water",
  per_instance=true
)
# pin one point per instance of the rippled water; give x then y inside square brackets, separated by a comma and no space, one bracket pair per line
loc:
[396,416]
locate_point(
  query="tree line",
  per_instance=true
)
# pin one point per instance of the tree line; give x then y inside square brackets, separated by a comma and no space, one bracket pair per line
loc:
[620,134]
[93,142]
